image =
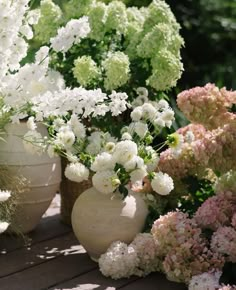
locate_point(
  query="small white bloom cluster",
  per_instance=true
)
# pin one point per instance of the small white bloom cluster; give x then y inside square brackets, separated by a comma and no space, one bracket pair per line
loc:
[139,258]
[79,101]
[205,281]
[157,113]
[72,33]
[4,196]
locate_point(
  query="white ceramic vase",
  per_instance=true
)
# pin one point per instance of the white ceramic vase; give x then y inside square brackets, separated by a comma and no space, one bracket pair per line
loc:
[43,175]
[99,219]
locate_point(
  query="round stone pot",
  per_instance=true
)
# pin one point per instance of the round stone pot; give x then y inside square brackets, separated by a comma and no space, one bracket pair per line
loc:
[43,175]
[100,219]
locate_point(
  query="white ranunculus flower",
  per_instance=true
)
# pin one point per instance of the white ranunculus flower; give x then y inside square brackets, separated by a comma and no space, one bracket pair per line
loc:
[138,174]
[125,151]
[103,161]
[162,183]
[66,138]
[141,129]
[4,195]
[3,226]
[135,162]
[126,136]
[136,114]
[105,181]
[76,172]
[149,111]
[109,147]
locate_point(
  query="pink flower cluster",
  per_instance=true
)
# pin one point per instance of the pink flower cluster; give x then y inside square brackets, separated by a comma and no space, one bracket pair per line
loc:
[216,211]
[214,131]
[234,221]
[184,250]
[223,242]
[207,105]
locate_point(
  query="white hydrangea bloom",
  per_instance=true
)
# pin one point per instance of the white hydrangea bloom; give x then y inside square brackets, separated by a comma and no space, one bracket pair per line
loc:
[76,172]
[103,161]
[119,261]
[3,226]
[4,195]
[162,183]
[105,181]
[72,33]
[205,281]
[125,151]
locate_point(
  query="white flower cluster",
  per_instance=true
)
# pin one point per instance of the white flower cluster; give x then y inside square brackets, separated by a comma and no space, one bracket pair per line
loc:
[72,33]
[14,24]
[205,281]
[157,113]
[79,101]
[30,82]
[4,196]
[139,258]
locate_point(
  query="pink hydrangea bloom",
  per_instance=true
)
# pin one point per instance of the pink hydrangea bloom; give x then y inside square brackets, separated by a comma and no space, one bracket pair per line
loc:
[207,105]
[216,211]
[174,229]
[234,221]
[217,149]
[189,259]
[148,254]
[223,242]
[197,129]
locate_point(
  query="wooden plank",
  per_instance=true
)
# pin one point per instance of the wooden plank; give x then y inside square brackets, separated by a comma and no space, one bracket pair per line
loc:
[50,273]
[49,228]
[93,280]
[31,256]
[154,281]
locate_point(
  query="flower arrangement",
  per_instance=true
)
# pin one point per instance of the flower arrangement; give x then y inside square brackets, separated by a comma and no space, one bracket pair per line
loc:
[112,162]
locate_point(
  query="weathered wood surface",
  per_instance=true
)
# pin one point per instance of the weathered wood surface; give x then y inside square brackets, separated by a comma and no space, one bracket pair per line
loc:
[51,258]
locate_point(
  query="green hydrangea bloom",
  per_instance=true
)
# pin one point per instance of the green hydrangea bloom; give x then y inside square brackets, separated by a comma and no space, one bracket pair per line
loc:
[76,8]
[97,20]
[136,18]
[117,70]
[49,21]
[162,36]
[116,17]
[85,70]
[166,70]
[159,12]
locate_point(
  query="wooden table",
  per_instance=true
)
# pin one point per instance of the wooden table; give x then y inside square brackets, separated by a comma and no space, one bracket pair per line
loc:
[51,258]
